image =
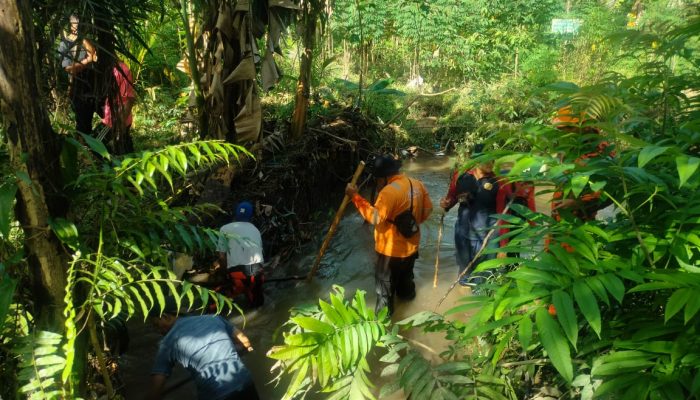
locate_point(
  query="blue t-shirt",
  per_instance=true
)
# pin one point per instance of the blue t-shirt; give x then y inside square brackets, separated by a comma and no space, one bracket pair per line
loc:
[204,346]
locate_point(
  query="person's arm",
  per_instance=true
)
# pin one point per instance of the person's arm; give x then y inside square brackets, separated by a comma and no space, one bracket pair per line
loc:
[450,199]
[242,339]
[91,56]
[373,214]
[157,384]
[91,52]
[221,261]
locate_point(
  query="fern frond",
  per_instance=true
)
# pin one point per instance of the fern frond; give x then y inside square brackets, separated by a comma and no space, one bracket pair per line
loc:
[175,160]
[41,362]
[328,345]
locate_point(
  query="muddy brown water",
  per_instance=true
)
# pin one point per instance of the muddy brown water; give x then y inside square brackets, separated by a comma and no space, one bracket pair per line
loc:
[348,262]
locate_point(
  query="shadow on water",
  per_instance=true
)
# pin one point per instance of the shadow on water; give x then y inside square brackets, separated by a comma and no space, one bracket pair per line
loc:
[348,262]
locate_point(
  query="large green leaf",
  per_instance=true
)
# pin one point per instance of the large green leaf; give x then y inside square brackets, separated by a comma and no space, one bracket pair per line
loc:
[676,302]
[566,315]
[66,231]
[614,285]
[554,343]
[7,201]
[96,145]
[622,362]
[686,168]
[588,305]
[525,331]
[578,183]
[649,153]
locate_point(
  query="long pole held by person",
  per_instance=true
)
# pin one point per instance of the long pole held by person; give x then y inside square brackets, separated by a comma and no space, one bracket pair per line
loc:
[334,225]
[437,248]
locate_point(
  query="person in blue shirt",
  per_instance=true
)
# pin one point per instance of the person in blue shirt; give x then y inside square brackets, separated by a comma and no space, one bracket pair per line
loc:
[206,346]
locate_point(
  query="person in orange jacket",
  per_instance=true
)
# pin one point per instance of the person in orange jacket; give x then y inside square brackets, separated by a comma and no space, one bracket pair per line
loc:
[396,243]
[587,204]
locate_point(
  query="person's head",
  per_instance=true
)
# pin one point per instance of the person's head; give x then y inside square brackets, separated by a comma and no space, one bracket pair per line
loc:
[486,166]
[164,322]
[385,166]
[164,318]
[74,22]
[244,211]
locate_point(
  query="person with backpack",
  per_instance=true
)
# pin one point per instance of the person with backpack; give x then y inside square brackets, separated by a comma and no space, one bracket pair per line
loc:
[402,205]
[475,191]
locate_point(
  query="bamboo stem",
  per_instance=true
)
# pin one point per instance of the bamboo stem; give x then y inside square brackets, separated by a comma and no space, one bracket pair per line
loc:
[101,364]
[437,250]
[334,225]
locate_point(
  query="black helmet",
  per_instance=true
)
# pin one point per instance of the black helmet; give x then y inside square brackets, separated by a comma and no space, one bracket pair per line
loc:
[385,165]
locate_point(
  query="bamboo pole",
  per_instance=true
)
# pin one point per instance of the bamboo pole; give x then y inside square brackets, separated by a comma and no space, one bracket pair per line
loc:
[334,225]
[437,250]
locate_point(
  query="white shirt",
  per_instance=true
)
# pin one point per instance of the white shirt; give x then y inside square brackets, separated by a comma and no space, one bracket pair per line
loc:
[242,244]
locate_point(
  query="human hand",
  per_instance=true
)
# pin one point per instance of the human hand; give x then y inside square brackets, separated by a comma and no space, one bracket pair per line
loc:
[566,203]
[243,340]
[444,203]
[350,190]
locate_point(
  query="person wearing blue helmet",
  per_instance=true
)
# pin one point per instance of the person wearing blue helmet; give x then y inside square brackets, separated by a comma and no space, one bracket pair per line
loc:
[241,252]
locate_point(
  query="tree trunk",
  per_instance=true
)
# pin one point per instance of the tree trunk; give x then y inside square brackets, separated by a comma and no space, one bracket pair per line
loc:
[34,151]
[301,100]
[194,71]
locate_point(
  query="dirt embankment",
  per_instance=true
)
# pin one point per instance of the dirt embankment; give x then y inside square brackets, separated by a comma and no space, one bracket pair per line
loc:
[294,184]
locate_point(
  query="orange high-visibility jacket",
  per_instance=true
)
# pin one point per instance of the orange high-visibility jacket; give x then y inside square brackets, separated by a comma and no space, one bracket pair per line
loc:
[392,200]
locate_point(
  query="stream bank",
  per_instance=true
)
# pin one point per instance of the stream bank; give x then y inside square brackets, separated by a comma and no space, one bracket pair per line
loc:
[348,262]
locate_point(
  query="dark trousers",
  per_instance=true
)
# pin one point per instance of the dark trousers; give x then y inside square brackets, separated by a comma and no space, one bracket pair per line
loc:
[248,393]
[393,275]
[84,109]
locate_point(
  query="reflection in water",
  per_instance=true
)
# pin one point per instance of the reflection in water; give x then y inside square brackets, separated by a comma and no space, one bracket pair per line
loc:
[349,262]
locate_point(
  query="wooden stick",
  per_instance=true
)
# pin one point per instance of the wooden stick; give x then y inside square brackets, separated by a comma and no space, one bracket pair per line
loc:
[476,257]
[334,225]
[437,250]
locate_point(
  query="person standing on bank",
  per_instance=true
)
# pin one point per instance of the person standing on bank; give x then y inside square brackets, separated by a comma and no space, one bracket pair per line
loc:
[402,205]
[240,249]
[78,56]
[475,191]
[206,346]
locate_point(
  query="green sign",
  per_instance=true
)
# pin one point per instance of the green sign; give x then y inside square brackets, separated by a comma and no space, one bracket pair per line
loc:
[562,26]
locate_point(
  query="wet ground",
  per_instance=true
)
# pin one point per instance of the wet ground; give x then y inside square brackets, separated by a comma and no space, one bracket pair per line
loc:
[349,263]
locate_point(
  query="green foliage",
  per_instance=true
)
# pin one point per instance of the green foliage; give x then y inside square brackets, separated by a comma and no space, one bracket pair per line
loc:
[119,246]
[328,346]
[41,361]
[608,307]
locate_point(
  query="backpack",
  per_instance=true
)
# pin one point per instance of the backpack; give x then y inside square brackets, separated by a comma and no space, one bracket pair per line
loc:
[405,222]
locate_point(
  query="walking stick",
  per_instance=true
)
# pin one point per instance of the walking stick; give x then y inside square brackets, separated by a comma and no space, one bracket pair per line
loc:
[476,257]
[437,250]
[334,225]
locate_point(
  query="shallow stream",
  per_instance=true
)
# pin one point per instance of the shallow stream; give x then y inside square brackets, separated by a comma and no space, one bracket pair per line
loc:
[348,262]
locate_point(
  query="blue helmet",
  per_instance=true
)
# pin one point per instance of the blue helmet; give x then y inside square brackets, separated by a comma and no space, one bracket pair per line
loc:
[244,211]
